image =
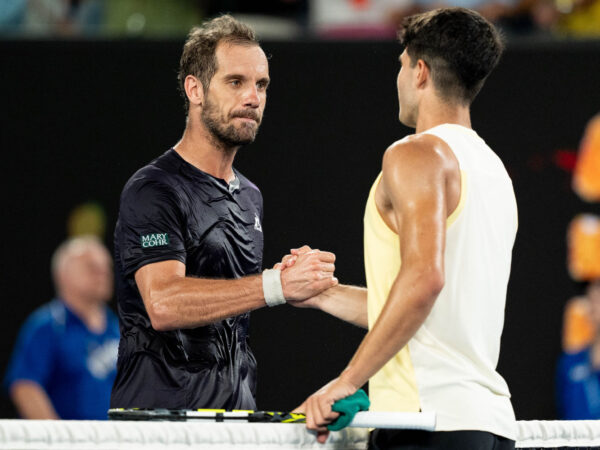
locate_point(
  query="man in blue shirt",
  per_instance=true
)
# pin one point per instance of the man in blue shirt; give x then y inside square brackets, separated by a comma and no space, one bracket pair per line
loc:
[578,374]
[64,363]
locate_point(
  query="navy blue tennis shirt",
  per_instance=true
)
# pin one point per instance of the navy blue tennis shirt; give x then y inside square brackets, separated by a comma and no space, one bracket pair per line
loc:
[170,210]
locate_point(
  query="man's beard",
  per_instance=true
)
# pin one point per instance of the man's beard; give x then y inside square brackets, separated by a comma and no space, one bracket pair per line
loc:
[228,134]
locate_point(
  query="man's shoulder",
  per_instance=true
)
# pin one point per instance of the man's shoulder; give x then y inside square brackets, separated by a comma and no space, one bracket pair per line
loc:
[159,178]
[423,150]
[46,318]
[160,171]
[248,185]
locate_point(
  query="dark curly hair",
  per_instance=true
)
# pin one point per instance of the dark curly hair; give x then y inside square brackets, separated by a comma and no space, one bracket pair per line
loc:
[198,57]
[458,45]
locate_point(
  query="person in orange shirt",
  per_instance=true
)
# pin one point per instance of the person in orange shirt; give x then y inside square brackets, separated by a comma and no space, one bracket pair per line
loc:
[586,180]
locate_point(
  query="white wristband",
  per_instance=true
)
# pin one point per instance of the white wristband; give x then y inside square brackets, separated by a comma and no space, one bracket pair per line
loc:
[271,279]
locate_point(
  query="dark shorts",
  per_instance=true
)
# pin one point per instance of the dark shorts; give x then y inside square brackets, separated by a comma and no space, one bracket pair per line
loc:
[381,439]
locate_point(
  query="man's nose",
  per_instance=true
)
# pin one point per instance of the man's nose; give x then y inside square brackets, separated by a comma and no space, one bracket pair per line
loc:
[251,97]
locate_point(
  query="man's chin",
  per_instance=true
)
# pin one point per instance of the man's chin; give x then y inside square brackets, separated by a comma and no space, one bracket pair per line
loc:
[246,135]
[246,141]
[239,140]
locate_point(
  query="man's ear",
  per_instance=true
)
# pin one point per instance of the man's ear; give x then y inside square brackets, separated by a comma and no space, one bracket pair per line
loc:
[194,90]
[422,74]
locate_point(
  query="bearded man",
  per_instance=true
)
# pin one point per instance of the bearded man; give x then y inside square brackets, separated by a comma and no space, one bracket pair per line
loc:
[189,241]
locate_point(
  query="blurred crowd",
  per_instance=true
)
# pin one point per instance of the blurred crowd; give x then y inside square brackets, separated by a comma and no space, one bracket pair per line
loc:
[284,19]
[578,369]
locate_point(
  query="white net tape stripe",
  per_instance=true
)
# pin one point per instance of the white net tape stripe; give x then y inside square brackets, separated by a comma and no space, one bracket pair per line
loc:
[558,433]
[116,435]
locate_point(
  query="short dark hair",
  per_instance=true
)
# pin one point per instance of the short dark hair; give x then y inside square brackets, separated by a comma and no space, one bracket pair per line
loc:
[458,45]
[198,56]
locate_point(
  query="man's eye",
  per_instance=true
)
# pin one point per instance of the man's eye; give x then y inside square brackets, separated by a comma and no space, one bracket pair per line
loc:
[235,83]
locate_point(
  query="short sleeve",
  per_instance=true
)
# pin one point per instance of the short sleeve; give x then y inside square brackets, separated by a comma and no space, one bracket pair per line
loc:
[151,225]
[33,355]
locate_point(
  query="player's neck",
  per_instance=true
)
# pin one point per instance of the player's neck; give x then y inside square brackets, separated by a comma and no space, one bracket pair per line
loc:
[433,112]
[200,149]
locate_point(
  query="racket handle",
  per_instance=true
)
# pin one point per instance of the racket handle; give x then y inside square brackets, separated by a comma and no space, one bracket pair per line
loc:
[403,420]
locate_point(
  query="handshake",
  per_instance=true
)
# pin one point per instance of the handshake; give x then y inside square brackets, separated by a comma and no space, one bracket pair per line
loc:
[300,277]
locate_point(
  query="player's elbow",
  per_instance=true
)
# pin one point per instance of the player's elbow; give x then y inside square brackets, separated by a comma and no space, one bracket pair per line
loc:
[431,282]
[159,322]
[435,282]
[159,313]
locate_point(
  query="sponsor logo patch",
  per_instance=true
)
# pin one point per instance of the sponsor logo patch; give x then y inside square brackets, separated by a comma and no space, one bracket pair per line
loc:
[154,240]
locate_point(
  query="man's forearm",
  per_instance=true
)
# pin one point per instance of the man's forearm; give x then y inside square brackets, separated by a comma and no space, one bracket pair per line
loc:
[174,300]
[410,300]
[192,302]
[346,302]
[31,401]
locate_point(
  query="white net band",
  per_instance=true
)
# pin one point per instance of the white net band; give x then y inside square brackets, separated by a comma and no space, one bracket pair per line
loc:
[558,433]
[118,435]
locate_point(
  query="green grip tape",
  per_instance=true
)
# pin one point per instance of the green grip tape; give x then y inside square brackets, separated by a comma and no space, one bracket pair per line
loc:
[348,407]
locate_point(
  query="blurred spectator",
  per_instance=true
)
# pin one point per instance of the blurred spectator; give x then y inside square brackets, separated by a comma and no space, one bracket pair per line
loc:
[586,179]
[578,330]
[578,374]
[148,18]
[579,18]
[381,18]
[285,18]
[87,218]
[356,18]
[51,17]
[157,18]
[583,247]
[583,262]
[64,362]
[12,14]
[512,16]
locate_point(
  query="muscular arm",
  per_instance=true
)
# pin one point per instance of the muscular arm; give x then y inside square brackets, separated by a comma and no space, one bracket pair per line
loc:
[31,400]
[348,303]
[414,182]
[173,300]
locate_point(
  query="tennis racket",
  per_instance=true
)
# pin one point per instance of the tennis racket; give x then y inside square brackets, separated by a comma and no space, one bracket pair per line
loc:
[362,419]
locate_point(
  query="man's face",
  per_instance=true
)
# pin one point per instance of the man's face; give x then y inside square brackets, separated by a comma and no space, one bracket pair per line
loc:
[88,272]
[406,92]
[233,106]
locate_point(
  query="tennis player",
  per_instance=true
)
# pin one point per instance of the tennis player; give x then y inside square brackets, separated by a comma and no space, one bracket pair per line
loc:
[439,228]
[189,242]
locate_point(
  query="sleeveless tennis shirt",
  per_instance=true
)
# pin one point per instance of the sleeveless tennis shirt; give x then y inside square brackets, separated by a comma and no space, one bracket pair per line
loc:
[449,366]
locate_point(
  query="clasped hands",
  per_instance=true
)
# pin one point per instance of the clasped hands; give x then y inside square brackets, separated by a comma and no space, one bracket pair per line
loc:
[305,273]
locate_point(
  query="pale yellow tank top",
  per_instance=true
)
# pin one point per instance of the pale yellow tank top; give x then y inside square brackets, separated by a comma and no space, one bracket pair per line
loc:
[449,366]
[393,388]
